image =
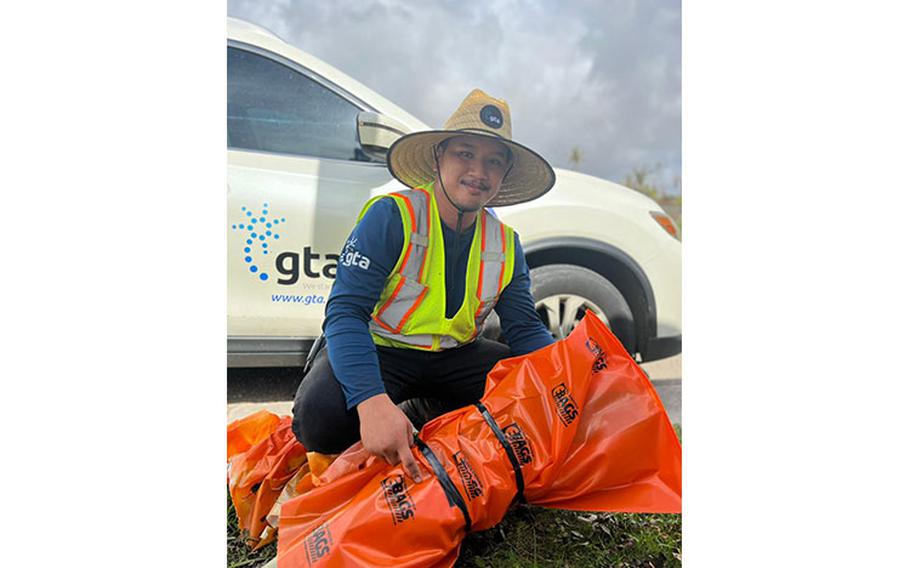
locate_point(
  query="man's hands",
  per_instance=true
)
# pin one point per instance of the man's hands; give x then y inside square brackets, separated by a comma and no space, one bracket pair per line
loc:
[386,432]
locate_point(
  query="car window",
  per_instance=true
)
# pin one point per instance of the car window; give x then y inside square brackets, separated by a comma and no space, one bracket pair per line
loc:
[272,108]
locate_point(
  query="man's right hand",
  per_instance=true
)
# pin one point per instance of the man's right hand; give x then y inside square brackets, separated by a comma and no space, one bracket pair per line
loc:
[386,432]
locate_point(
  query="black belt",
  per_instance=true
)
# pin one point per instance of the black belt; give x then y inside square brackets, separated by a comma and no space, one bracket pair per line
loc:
[519,478]
[452,494]
[448,487]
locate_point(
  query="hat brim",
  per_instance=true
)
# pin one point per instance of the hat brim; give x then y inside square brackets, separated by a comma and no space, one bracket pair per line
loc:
[410,161]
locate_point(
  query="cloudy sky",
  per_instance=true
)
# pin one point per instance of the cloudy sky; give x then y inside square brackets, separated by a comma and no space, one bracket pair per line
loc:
[602,75]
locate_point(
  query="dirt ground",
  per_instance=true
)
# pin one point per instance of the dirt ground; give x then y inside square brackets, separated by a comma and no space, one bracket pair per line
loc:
[669,368]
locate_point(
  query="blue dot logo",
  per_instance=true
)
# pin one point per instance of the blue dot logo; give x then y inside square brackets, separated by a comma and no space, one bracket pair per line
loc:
[247,224]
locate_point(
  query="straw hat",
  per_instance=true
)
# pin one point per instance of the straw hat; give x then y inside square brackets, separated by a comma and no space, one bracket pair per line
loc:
[410,159]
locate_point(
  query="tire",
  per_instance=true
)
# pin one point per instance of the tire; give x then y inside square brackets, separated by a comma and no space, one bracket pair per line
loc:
[563,292]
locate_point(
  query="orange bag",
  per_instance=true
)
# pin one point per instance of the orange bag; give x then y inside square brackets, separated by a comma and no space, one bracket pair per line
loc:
[248,431]
[576,425]
[263,455]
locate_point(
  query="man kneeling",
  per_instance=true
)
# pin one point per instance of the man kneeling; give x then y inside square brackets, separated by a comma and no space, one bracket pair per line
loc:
[403,321]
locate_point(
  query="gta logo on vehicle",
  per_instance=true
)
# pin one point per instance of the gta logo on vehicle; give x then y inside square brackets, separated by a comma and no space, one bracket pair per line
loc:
[258,229]
[566,407]
[318,543]
[600,363]
[397,497]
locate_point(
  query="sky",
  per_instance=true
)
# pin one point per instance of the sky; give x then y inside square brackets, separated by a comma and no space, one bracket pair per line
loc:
[600,75]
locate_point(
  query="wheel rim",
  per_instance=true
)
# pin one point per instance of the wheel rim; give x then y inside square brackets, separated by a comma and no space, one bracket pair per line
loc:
[562,312]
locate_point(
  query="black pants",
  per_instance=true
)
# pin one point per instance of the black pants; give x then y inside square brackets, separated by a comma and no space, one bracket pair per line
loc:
[440,382]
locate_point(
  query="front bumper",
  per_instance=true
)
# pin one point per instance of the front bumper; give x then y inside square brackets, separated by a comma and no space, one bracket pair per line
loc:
[662,347]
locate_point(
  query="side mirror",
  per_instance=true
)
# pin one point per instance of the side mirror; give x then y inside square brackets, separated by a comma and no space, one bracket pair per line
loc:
[377,133]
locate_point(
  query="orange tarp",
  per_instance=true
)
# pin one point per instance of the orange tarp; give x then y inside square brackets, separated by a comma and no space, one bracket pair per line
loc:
[581,421]
[263,455]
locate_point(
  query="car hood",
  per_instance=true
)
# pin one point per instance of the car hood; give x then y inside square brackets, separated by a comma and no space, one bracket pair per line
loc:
[574,188]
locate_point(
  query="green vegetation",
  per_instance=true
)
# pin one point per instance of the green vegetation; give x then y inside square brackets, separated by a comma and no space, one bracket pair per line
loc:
[535,537]
[532,536]
[238,553]
[575,157]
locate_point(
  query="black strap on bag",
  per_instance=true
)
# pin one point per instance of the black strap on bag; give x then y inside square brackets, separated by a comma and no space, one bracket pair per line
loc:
[448,487]
[519,478]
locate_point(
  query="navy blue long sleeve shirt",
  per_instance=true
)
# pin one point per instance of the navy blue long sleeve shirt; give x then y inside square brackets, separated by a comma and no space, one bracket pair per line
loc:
[368,257]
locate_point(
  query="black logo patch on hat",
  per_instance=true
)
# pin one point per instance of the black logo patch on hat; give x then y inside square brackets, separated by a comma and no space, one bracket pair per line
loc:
[491,116]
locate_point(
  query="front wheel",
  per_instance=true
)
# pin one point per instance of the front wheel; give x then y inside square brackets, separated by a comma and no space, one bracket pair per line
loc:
[563,292]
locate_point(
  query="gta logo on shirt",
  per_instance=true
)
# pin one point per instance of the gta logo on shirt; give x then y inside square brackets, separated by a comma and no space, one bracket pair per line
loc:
[350,256]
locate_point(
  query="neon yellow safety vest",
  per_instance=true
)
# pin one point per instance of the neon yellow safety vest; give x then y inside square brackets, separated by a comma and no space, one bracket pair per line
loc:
[411,311]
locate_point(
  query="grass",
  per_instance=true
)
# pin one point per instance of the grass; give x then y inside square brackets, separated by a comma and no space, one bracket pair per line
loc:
[536,537]
[238,554]
[532,537]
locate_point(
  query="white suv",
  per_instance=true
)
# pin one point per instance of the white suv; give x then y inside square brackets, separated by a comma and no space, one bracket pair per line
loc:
[306,150]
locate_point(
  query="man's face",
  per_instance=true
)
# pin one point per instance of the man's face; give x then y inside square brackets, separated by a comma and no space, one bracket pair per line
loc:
[472,169]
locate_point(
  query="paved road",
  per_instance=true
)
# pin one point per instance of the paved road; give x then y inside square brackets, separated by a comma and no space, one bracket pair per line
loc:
[251,389]
[670,391]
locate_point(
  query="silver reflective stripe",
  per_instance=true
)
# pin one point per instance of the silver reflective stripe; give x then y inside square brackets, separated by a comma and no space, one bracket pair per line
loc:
[493,256]
[422,340]
[494,259]
[408,294]
[420,234]
[393,313]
